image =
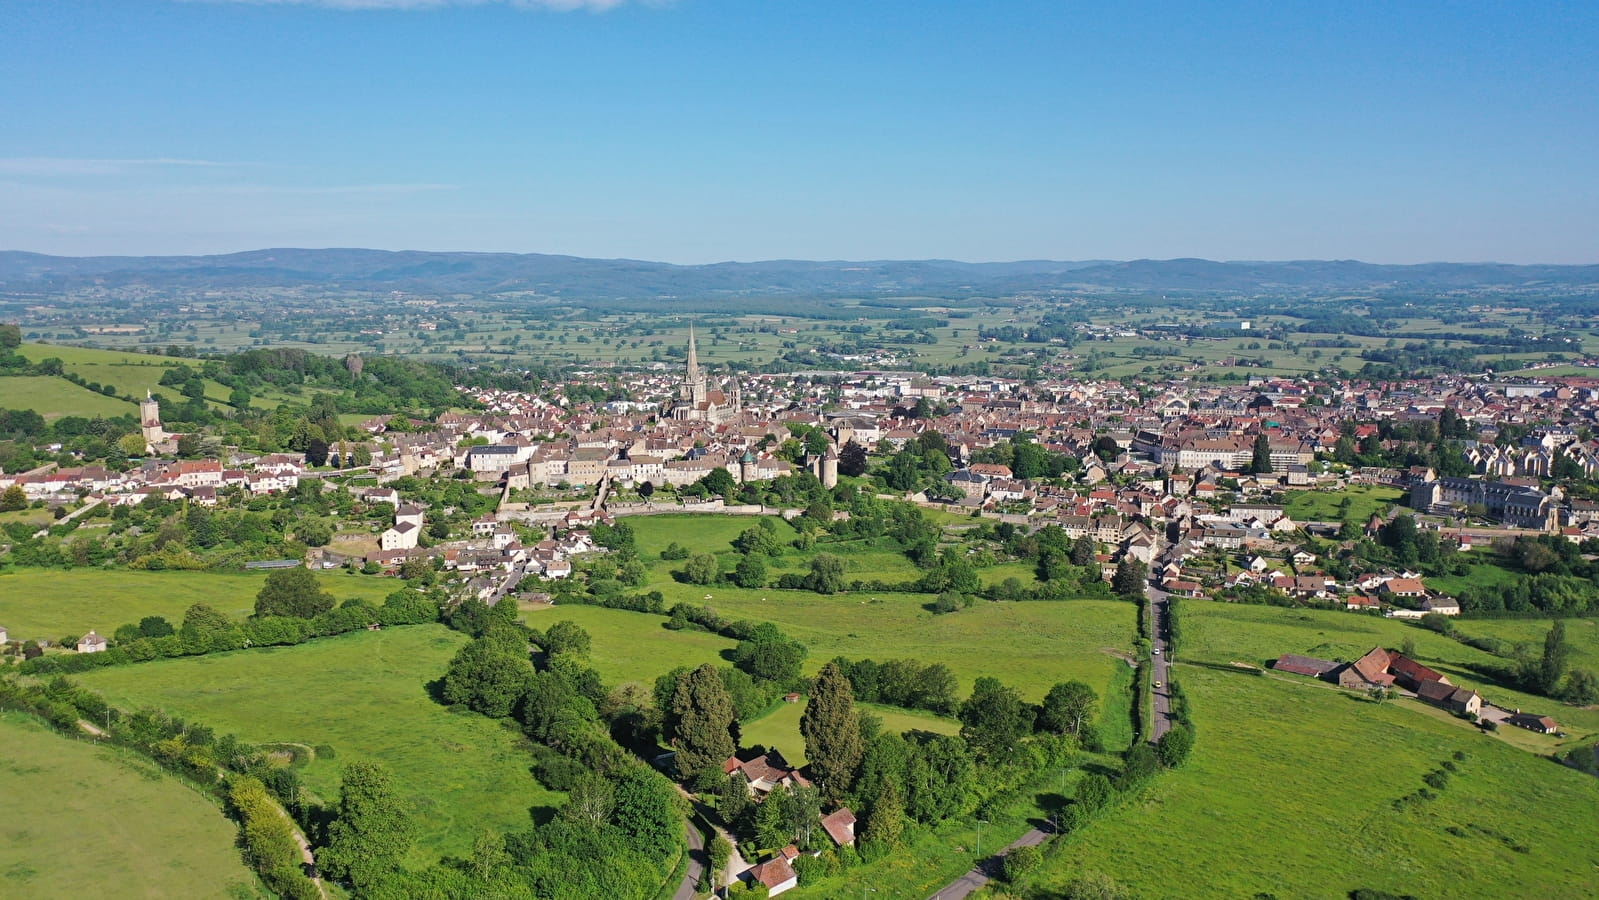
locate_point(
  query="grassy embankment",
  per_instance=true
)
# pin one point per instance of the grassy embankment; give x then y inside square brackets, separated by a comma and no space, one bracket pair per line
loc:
[365,695]
[1291,792]
[94,820]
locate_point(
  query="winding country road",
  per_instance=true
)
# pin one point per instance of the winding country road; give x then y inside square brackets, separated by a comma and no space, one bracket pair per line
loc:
[986,869]
[696,863]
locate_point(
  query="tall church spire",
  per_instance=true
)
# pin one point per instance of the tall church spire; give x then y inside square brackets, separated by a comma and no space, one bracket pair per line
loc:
[693,372]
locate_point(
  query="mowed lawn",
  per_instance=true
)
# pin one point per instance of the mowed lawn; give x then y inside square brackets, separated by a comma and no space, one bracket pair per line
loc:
[90,821]
[1227,632]
[780,728]
[364,694]
[1290,792]
[56,397]
[53,603]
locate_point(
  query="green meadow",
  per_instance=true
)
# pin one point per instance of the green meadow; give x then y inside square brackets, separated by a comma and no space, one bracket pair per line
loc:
[780,728]
[1327,506]
[1226,633]
[1291,790]
[88,820]
[56,397]
[53,603]
[364,695]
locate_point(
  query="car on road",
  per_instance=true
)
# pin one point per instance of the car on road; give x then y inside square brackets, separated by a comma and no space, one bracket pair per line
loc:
[1156,651]
[1158,685]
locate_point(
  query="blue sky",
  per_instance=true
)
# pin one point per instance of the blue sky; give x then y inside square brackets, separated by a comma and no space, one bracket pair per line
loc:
[708,130]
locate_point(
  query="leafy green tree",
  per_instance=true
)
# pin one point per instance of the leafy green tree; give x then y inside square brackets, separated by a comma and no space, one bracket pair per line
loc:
[1066,707]
[719,482]
[1260,458]
[1582,688]
[993,718]
[832,732]
[10,336]
[590,801]
[885,823]
[757,540]
[1021,860]
[1094,791]
[827,574]
[154,627]
[1174,747]
[750,571]
[1556,656]
[14,498]
[1082,552]
[313,532]
[292,592]
[699,722]
[371,831]
[490,674]
[566,637]
[647,813]
[1130,578]
[773,823]
[702,568]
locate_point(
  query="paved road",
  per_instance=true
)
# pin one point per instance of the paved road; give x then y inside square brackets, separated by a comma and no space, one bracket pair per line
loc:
[696,863]
[985,869]
[1160,664]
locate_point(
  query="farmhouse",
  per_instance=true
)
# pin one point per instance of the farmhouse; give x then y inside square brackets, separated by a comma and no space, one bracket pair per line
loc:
[765,773]
[1369,671]
[1411,674]
[1446,696]
[91,643]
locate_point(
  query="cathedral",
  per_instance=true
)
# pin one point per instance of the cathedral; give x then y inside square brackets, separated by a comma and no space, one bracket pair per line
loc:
[697,401]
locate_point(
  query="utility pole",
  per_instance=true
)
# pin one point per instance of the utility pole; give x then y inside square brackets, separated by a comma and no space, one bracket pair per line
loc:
[980,824]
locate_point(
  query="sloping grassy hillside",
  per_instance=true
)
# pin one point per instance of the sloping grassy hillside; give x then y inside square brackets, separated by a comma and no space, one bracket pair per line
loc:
[1291,792]
[365,695]
[87,820]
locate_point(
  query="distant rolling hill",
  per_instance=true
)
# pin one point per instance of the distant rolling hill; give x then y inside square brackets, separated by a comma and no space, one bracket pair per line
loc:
[581,278]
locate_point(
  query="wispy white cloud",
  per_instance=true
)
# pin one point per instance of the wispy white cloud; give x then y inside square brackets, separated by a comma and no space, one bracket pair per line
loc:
[554,5]
[323,189]
[51,165]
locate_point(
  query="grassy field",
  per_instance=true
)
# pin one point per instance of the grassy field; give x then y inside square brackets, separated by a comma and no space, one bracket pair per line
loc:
[1325,506]
[1481,574]
[1290,791]
[630,646]
[51,603]
[88,820]
[1029,646]
[56,397]
[1224,633]
[780,727]
[364,694]
[1581,634]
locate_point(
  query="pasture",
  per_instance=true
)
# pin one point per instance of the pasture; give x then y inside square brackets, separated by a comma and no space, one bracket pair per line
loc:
[1224,633]
[52,603]
[97,821]
[365,695]
[780,728]
[56,397]
[1326,823]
